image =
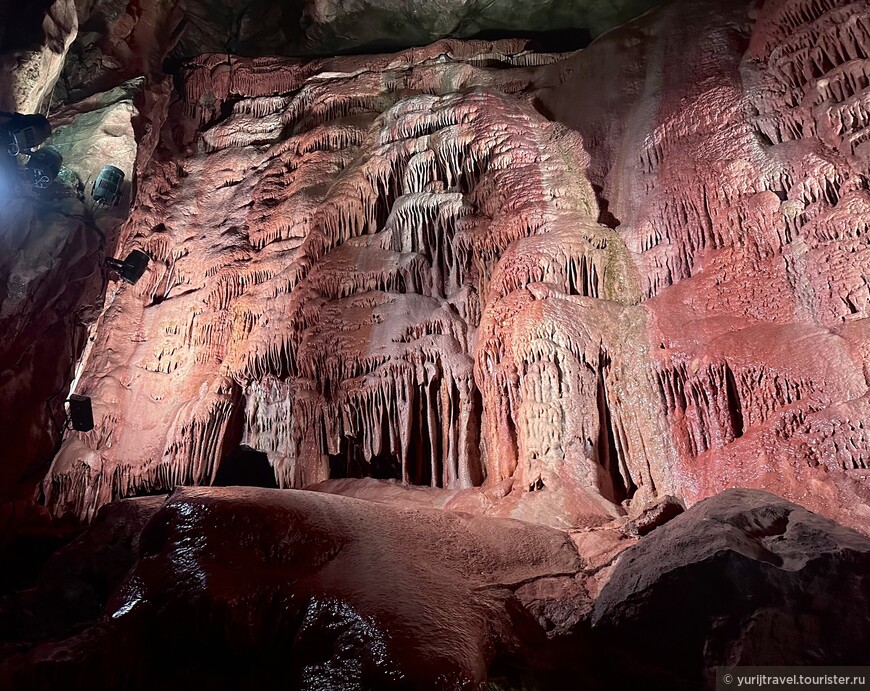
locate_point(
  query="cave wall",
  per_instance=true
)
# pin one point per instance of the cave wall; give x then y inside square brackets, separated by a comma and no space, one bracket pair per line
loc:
[740,180]
[358,259]
[613,274]
[321,238]
[51,242]
[85,63]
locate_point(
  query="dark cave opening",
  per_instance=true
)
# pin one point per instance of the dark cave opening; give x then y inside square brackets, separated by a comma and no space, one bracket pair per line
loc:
[478,473]
[350,462]
[605,216]
[607,450]
[426,452]
[21,26]
[423,462]
[511,429]
[386,467]
[247,467]
[553,41]
[735,409]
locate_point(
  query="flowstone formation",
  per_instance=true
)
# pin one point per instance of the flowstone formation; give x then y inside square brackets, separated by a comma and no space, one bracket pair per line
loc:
[454,267]
[615,293]
[739,177]
[321,237]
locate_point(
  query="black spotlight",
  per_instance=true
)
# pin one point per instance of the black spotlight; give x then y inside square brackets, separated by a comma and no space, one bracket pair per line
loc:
[131,268]
[24,133]
[107,188]
[43,166]
[81,414]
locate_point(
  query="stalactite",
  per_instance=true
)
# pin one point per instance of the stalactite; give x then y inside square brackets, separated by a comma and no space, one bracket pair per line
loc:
[393,267]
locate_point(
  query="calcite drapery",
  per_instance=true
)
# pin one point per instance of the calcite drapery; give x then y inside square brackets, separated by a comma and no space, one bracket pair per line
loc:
[320,252]
[358,259]
[739,182]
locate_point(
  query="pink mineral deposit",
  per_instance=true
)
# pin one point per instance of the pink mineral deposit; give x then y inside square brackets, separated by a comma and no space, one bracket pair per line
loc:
[475,293]
[456,266]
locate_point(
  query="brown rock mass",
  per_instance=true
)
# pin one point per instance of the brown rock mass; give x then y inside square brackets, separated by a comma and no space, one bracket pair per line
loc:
[254,588]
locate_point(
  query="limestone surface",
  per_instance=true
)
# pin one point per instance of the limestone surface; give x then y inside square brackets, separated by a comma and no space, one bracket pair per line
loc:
[460,266]
[539,328]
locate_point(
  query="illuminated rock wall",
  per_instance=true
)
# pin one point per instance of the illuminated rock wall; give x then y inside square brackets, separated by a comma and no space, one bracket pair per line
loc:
[631,271]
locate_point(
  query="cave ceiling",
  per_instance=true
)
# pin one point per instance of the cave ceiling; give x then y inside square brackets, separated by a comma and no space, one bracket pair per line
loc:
[117,37]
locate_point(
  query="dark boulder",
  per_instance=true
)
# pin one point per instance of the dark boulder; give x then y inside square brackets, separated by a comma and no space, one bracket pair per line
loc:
[742,578]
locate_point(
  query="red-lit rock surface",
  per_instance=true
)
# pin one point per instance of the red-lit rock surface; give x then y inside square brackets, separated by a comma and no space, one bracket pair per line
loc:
[632,271]
[326,235]
[736,217]
[252,588]
[466,282]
